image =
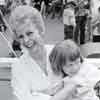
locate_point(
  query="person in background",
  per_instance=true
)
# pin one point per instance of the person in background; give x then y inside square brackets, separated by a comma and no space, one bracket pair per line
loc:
[69,20]
[77,76]
[41,5]
[96,32]
[55,4]
[96,27]
[44,7]
[37,4]
[81,18]
[3,12]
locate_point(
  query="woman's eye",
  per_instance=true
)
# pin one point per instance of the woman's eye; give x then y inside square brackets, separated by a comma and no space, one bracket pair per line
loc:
[21,36]
[29,33]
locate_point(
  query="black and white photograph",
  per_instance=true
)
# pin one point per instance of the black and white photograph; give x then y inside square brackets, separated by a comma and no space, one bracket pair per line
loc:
[49,50]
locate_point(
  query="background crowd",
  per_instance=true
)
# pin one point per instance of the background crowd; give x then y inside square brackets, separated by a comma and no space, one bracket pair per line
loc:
[77,15]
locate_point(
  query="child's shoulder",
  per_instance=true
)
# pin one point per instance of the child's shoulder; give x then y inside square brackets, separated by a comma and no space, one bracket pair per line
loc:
[87,67]
[89,73]
[85,64]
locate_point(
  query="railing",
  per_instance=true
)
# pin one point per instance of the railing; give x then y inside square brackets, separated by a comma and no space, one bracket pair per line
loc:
[5,68]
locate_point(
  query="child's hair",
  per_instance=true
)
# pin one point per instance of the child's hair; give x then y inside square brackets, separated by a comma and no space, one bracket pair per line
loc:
[63,52]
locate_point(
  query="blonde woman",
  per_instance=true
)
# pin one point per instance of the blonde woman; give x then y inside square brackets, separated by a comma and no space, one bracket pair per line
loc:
[29,73]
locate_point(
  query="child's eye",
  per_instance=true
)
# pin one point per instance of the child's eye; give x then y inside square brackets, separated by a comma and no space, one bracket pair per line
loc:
[71,64]
[29,33]
[21,36]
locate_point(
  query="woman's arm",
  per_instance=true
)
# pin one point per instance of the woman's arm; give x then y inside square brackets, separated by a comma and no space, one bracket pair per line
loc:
[52,90]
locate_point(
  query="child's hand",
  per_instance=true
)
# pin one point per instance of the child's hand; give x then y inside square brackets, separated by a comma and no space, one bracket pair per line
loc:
[56,88]
[67,93]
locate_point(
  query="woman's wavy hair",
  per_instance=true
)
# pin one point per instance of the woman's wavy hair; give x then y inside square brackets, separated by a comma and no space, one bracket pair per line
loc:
[22,13]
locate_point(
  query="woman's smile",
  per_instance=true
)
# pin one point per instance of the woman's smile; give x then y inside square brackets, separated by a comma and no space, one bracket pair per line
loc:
[30,44]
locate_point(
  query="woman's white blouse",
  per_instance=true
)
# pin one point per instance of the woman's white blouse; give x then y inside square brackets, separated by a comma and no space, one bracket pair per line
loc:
[27,77]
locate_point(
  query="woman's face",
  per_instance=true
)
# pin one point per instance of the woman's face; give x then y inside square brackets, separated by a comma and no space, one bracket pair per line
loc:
[28,35]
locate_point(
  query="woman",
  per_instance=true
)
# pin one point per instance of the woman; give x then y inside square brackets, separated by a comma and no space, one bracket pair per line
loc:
[29,73]
[28,28]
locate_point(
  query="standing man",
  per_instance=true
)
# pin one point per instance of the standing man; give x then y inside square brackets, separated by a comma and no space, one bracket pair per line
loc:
[81,17]
[69,20]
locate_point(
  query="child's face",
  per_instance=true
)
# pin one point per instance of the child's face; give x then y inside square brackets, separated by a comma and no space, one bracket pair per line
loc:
[72,67]
[28,35]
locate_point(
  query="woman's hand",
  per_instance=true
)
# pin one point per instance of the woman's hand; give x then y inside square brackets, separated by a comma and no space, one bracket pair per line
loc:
[52,90]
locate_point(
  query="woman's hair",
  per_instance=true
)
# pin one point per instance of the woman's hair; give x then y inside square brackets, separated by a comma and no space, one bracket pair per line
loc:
[63,52]
[20,14]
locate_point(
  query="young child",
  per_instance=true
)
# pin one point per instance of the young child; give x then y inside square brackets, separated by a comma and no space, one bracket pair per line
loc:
[78,76]
[69,20]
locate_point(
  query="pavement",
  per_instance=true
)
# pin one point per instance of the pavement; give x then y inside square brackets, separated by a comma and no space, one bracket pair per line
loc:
[54,30]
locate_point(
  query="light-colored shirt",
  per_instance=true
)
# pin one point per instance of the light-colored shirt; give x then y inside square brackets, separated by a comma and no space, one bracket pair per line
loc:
[95,31]
[86,79]
[69,17]
[2,2]
[28,78]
